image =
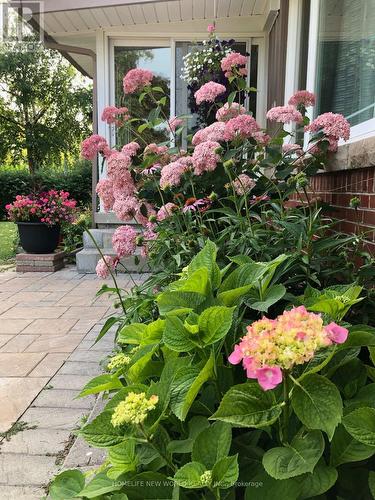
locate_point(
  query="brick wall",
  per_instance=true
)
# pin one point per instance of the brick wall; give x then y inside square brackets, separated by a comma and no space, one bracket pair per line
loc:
[338,188]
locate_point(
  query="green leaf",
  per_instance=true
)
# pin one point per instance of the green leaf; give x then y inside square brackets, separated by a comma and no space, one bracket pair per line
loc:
[361,425]
[212,444]
[345,449]
[139,363]
[101,433]
[196,425]
[131,334]
[196,282]
[142,127]
[67,484]
[317,403]
[100,485]
[148,486]
[177,337]
[247,405]
[207,258]
[359,335]
[214,323]
[225,472]
[232,297]
[232,97]
[186,386]
[317,483]
[247,274]
[364,397]
[170,301]
[99,384]
[189,476]
[272,295]
[295,459]
[107,326]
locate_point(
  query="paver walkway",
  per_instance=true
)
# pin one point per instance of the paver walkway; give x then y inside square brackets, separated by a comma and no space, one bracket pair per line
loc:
[48,323]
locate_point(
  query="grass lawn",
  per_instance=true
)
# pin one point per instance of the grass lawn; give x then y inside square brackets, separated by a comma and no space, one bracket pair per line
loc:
[8,233]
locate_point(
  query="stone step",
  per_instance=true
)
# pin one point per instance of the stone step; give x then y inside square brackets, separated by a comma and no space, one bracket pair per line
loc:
[87,259]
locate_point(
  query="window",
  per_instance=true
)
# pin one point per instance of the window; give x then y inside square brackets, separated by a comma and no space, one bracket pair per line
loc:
[345,61]
[155,59]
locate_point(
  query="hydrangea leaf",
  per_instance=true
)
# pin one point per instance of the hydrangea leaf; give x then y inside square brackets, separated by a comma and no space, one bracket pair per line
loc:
[189,476]
[247,405]
[361,425]
[212,444]
[345,449]
[295,459]
[214,323]
[67,484]
[100,485]
[317,483]
[225,472]
[100,383]
[317,403]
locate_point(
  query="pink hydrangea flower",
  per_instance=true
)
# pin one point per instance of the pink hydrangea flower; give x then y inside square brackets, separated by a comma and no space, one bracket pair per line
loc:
[171,174]
[137,79]
[124,241]
[118,171]
[105,265]
[243,184]
[155,149]
[269,377]
[93,145]
[130,149]
[234,61]
[338,334]
[112,114]
[244,126]
[229,111]
[302,98]
[104,188]
[262,138]
[175,122]
[149,233]
[126,207]
[284,114]
[211,28]
[217,131]
[205,158]
[272,345]
[209,92]
[166,211]
[333,125]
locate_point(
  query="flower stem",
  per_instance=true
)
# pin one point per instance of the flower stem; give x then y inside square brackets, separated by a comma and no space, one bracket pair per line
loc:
[285,410]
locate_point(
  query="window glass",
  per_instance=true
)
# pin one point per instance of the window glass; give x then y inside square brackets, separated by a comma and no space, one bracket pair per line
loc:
[346,59]
[157,60]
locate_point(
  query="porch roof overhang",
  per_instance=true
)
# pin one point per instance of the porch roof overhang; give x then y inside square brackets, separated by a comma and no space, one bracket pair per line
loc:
[76,22]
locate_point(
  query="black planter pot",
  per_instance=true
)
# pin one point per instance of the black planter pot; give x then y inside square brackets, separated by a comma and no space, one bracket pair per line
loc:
[37,237]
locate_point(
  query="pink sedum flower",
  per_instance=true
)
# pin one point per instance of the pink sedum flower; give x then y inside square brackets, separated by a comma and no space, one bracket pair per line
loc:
[105,265]
[130,149]
[166,211]
[104,189]
[136,79]
[209,92]
[217,132]
[124,241]
[173,123]
[284,114]
[171,174]
[333,125]
[244,126]
[118,116]
[93,145]
[338,334]
[269,377]
[126,207]
[302,98]
[243,184]
[229,111]
[205,158]
[232,62]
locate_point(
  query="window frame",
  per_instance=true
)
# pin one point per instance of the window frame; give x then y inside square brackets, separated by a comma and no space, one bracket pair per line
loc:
[357,132]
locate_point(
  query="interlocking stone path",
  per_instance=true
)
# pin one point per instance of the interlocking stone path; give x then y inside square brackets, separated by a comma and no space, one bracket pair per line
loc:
[48,323]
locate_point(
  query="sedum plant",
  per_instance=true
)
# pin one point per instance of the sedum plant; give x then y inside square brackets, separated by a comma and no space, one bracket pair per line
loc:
[211,400]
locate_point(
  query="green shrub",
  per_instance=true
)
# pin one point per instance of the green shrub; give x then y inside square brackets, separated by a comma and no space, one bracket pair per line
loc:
[77,181]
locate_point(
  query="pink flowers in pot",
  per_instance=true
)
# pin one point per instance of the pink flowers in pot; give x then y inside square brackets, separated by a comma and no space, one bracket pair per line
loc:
[273,345]
[52,207]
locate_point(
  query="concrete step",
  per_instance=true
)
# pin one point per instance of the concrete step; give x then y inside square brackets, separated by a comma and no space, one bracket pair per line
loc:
[87,259]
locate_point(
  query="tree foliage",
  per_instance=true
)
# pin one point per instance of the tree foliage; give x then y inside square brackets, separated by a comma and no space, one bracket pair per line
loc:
[44,110]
